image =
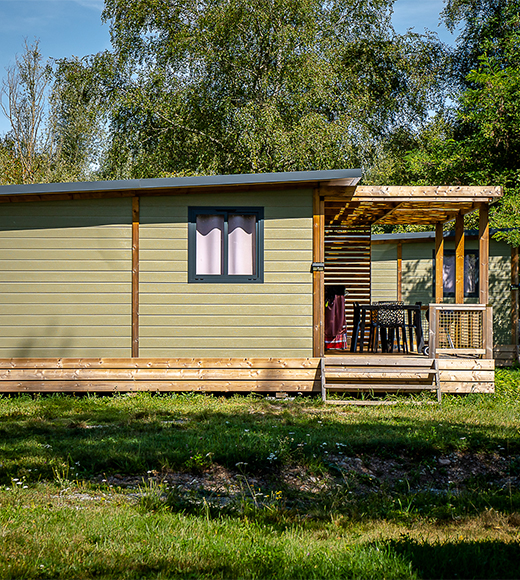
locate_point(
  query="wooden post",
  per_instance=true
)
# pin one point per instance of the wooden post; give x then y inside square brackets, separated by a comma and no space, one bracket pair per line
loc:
[318,277]
[439,263]
[487,332]
[459,259]
[399,270]
[483,253]
[135,276]
[433,339]
[514,296]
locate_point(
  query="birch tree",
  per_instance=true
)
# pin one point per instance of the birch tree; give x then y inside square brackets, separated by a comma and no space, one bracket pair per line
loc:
[238,86]
[23,102]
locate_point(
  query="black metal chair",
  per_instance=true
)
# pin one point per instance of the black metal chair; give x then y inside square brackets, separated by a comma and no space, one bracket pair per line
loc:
[388,322]
[355,327]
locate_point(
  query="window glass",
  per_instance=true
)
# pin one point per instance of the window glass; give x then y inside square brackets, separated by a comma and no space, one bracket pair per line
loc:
[470,273]
[225,244]
[448,274]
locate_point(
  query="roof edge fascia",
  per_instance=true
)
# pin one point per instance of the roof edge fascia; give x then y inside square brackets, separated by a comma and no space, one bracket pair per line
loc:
[159,184]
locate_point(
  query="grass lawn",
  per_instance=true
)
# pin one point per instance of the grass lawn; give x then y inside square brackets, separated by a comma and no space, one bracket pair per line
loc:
[193,486]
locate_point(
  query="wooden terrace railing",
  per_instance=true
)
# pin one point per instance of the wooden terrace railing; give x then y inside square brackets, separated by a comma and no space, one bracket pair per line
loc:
[461,329]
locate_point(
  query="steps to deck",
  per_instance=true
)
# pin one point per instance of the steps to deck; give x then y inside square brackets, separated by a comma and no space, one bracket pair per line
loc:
[378,375]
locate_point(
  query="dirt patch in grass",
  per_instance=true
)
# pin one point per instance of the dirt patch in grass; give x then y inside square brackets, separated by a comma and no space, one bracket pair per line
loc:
[455,472]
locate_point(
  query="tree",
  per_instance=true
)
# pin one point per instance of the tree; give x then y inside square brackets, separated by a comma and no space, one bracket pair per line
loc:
[486,26]
[78,114]
[25,90]
[480,142]
[257,85]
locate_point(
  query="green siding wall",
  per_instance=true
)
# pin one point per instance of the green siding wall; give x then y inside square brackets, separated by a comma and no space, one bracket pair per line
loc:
[417,272]
[499,291]
[384,272]
[417,278]
[65,278]
[178,319]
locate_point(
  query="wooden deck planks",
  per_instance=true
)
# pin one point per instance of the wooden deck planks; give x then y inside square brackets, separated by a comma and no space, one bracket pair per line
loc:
[161,374]
[46,375]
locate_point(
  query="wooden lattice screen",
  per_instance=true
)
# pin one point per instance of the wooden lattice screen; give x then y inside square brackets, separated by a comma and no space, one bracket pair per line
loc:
[347,262]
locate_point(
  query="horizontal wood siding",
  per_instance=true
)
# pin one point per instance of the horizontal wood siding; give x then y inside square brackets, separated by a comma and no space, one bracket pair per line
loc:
[303,375]
[178,319]
[65,274]
[417,275]
[384,272]
[500,291]
[506,355]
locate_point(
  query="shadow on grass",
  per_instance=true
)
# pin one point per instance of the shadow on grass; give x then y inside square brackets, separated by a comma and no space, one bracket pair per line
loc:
[132,436]
[489,559]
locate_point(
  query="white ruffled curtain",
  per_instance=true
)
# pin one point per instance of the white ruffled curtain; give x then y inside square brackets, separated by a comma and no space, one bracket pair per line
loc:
[210,236]
[241,245]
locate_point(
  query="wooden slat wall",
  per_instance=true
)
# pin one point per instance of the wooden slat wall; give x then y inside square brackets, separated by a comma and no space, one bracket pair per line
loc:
[65,278]
[159,374]
[506,355]
[82,375]
[275,318]
[347,261]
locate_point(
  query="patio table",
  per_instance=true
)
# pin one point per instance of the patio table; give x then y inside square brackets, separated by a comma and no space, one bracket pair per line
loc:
[414,324]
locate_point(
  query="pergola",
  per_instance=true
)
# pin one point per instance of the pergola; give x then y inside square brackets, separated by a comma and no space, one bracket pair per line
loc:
[343,207]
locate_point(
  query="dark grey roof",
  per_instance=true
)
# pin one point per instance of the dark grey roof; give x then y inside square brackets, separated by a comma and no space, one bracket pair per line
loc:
[181,182]
[404,236]
[428,235]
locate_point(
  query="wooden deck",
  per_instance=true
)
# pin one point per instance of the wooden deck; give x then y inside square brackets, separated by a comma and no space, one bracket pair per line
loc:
[368,372]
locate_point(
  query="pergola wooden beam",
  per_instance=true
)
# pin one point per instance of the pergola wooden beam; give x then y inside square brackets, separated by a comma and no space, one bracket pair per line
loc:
[344,212]
[483,252]
[135,276]
[414,193]
[318,256]
[439,263]
[387,212]
[459,259]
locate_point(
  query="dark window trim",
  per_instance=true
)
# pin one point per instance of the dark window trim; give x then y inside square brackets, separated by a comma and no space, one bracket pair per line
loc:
[474,294]
[225,278]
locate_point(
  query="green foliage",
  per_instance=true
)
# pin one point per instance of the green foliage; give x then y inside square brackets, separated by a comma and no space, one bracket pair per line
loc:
[241,86]
[478,142]
[78,113]
[55,124]
[485,27]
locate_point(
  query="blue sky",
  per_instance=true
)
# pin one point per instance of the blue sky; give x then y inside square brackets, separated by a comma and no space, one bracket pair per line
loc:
[73,27]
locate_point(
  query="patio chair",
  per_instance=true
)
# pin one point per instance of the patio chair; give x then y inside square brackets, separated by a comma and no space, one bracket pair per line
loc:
[387,322]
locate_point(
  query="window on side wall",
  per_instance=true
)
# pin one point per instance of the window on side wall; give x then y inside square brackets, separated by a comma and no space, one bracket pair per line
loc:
[470,273]
[225,244]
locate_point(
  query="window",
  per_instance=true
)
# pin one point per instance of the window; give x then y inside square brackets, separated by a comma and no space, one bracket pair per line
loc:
[470,273]
[225,244]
